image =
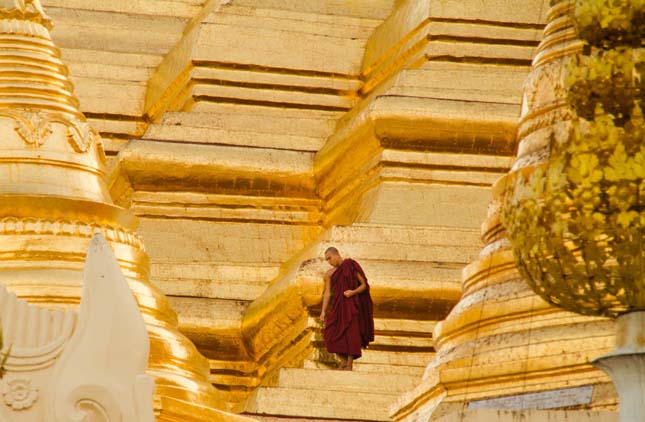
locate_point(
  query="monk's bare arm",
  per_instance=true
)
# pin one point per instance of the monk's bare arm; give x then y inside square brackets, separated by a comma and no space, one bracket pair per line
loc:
[326,295]
[359,289]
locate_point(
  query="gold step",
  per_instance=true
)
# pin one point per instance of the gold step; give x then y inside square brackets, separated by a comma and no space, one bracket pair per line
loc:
[320,404]
[290,419]
[416,371]
[333,380]
[382,357]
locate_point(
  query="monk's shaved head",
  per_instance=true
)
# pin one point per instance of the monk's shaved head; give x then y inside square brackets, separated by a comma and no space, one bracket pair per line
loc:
[332,256]
[332,250]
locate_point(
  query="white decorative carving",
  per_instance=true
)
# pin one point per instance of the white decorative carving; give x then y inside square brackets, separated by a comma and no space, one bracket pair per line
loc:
[36,335]
[86,367]
[101,374]
[19,393]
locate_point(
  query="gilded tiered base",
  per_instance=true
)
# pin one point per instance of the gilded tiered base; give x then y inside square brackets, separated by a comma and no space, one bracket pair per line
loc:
[502,340]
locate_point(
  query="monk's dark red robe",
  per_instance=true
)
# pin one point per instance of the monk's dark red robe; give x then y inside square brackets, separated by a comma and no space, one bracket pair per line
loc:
[349,325]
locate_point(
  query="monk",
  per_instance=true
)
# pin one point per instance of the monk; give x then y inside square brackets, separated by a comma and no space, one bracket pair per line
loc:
[349,324]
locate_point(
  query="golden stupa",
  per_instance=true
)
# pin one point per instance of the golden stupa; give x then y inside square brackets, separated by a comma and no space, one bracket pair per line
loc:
[54,197]
[503,346]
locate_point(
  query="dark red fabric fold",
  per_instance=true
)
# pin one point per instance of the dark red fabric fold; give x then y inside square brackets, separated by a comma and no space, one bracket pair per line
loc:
[350,323]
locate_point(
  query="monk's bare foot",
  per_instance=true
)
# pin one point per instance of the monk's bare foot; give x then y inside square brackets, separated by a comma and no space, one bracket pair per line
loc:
[342,365]
[343,362]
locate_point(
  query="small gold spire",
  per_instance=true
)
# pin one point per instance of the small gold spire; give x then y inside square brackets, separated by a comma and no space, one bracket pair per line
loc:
[32,74]
[45,135]
[30,10]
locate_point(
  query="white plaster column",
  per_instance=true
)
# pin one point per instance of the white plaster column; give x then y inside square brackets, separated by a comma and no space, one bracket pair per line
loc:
[626,365]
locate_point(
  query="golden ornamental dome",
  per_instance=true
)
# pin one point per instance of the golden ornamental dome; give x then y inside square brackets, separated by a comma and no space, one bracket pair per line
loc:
[576,221]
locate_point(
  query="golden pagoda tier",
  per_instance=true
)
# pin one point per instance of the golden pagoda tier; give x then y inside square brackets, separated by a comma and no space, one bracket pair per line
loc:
[54,197]
[502,346]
